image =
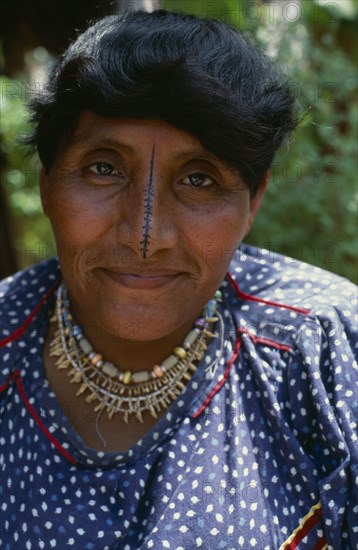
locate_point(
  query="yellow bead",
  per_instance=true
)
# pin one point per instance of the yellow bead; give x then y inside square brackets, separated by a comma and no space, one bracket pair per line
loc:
[180,352]
[127,375]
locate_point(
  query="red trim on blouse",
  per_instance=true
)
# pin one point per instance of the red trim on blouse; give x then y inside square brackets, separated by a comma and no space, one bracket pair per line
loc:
[17,376]
[265,341]
[245,296]
[5,386]
[320,544]
[39,422]
[20,330]
[307,524]
[220,384]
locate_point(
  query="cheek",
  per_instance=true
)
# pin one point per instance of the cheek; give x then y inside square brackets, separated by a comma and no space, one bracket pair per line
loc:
[218,235]
[77,218]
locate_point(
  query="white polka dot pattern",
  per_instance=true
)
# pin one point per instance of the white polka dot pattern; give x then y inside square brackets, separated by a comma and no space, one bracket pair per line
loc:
[238,460]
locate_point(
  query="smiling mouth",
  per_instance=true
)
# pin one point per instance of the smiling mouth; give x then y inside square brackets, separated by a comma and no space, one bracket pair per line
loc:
[142,281]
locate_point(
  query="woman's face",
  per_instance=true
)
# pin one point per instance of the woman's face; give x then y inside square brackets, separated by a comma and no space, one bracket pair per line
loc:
[146,222]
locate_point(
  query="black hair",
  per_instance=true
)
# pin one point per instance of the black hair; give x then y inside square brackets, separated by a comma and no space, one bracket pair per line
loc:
[199,75]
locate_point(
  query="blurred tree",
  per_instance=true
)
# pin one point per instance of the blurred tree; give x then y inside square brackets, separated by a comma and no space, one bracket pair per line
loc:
[146,5]
[8,261]
[39,26]
[310,211]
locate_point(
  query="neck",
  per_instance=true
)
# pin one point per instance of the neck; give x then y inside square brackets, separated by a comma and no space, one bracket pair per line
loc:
[133,355]
[112,389]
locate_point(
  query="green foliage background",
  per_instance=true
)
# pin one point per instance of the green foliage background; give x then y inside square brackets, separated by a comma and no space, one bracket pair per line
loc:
[310,210]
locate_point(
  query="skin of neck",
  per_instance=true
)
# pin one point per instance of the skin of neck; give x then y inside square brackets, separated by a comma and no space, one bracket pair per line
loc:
[131,354]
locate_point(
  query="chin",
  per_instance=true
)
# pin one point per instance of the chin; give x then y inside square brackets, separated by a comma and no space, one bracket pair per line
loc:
[136,324]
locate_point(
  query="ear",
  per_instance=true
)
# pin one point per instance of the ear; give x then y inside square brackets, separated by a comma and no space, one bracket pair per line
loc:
[256,200]
[44,183]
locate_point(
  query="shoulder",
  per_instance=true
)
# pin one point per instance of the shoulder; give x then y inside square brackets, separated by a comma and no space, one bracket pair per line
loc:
[289,297]
[298,323]
[27,281]
[21,298]
[20,292]
[273,276]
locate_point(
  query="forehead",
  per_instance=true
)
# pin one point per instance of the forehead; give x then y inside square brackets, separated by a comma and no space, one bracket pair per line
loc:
[131,134]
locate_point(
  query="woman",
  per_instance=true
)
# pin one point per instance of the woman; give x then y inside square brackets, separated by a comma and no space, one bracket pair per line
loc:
[164,386]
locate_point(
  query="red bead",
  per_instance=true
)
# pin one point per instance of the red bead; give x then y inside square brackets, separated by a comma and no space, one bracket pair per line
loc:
[96,359]
[158,371]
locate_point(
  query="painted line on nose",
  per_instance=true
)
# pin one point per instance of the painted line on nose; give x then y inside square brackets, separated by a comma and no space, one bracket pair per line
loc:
[148,209]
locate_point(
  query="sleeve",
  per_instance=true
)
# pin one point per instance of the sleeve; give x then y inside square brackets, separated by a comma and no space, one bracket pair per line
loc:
[327,425]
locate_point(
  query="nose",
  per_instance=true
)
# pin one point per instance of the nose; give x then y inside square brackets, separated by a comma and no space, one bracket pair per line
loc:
[149,226]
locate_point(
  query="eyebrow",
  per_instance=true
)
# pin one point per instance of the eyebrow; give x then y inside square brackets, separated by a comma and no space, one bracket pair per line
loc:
[197,154]
[83,140]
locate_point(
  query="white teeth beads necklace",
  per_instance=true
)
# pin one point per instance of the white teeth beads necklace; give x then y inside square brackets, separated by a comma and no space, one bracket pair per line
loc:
[115,391]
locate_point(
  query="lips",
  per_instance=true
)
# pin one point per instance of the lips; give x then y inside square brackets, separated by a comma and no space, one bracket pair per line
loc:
[149,281]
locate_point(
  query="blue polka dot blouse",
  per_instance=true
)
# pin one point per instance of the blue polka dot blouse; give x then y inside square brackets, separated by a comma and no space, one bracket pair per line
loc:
[259,451]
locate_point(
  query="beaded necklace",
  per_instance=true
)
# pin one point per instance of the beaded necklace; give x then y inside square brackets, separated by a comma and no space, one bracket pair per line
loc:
[128,393]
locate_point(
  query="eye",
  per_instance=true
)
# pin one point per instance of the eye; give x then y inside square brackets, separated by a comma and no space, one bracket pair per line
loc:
[103,169]
[198,179]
